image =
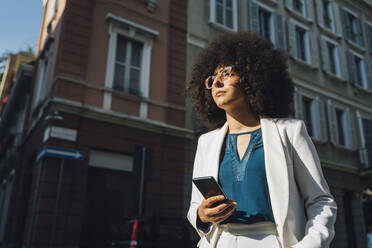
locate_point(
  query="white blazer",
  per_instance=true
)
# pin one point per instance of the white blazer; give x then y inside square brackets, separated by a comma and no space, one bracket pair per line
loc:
[303,208]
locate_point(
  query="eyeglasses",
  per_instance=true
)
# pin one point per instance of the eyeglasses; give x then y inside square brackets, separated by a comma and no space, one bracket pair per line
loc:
[225,73]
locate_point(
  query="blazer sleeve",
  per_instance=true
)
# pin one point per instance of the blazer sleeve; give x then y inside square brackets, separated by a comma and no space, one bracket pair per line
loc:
[196,196]
[320,205]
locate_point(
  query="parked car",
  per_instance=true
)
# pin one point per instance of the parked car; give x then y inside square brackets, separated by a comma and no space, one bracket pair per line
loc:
[157,232]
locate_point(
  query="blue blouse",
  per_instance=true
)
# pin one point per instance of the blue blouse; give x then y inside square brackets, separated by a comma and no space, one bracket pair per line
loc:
[244,181]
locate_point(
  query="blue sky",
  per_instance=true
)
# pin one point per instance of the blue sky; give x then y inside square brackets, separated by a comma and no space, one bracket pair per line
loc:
[20,22]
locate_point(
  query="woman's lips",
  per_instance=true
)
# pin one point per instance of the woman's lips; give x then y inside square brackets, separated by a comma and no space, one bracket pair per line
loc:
[220,92]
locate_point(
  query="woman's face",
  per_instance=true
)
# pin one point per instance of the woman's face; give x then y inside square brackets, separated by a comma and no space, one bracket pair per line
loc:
[224,89]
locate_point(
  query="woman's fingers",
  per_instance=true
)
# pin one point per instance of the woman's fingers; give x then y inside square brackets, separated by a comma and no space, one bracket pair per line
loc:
[226,213]
[207,212]
[212,200]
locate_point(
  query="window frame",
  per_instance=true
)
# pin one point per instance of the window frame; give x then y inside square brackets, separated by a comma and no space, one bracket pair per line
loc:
[213,16]
[334,125]
[118,25]
[273,34]
[324,41]
[309,57]
[364,70]
[318,117]
[363,153]
[348,36]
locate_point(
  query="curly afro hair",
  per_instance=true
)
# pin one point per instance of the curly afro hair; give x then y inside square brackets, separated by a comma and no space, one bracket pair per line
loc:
[263,77]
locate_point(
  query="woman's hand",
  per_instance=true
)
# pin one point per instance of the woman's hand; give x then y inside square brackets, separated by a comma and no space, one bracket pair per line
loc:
[215,214]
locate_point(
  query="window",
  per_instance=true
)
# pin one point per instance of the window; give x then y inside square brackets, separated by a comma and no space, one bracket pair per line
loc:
[352,27]
[267,23]
[44,62]
[224,13]
[128,60]
[330,56]
[365,128]
[340,116]
[298,5]
[300,43]
[341,125]
[357,67]
[368,28]
[310,109]
[328,14]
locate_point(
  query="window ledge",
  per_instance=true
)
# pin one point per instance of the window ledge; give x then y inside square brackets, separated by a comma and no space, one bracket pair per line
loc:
[333,76]
[330,33]
[349,149]
[298,16]
[355,46]
[361,89]
[221,27]
[303,63]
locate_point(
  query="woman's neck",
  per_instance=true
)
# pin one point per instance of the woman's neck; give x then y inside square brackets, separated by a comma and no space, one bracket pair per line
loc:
[242,120]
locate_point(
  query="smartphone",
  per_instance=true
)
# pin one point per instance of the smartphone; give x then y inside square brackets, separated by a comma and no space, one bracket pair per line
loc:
[208,186]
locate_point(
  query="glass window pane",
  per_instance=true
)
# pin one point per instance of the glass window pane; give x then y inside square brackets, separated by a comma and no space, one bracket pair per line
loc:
[119,76]
[229,18]
[229,3]
[340,125]
[134,80]
[121,48]
[136,53]
[219,17]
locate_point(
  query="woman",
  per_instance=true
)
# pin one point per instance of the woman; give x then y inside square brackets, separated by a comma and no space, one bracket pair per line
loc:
[265,162]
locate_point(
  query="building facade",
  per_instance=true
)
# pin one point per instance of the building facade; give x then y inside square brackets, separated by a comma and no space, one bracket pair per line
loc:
[329,46]
[106,112]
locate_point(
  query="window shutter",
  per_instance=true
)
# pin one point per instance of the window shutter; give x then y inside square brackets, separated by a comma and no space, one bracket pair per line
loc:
[349,132]
[313,50]
[324,54]
[332,122]
[315,119]
[322,119]
[298,105]
[309,9]
[351,67]
[367,128]
[279,37]
[368,29]
[320,13]
[369,75]
[292,39]
[336,16]
[253,12]
[346,25]
[360,36]
[362,149]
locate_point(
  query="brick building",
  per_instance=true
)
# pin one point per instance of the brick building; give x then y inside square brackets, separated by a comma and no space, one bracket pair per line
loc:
[107,101]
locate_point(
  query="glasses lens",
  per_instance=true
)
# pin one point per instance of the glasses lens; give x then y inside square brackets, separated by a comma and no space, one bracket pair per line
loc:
[209,82]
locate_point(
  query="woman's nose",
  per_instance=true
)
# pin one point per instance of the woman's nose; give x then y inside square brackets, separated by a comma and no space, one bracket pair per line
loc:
[218,82]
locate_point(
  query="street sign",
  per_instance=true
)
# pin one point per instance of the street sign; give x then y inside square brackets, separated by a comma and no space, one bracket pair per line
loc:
[58,152]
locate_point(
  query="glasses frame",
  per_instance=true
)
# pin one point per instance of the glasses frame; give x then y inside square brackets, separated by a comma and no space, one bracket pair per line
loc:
[223,74]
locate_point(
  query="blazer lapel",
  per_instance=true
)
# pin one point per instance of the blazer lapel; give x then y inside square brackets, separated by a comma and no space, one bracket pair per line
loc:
[276,170]
[216,147]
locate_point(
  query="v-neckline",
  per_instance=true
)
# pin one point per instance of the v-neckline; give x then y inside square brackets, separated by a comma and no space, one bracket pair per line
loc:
[235,143]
